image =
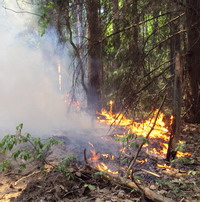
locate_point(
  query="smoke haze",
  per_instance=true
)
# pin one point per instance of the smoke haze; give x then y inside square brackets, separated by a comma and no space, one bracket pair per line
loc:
[29,92]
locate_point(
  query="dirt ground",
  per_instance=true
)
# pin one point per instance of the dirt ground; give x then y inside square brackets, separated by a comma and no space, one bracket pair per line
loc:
[51,185]
[180,182]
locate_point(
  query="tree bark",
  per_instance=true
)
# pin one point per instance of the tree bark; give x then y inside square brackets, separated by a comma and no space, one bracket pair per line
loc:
[193,61]
[177,100]
[94,55]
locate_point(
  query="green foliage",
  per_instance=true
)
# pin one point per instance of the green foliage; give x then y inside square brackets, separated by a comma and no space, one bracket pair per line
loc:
[180,147]
[132,140]
[44,9]
[192,172]
[29,147]
[183,161]
[100,173]
[126,138]
[63,166]
[90,187]
[5,165]
[137,177]
[143,140]
[175,188]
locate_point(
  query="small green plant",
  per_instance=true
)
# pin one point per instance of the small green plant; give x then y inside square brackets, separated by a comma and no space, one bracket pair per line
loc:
[5,165]
[126,138]
[63,166]
[100,173]
[183,161]
[29,147]
[90,187]
[180,147]
[192,172]
[132,140]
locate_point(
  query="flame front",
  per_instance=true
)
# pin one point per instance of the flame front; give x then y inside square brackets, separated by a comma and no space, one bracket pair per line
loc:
[161,129]
[104,167]
[141,129]
[161,132]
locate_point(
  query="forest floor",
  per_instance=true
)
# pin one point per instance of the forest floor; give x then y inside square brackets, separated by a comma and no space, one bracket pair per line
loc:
[180,181]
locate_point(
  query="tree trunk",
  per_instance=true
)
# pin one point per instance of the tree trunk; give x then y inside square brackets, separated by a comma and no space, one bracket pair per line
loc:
[193,61]
[177,100]
[134,48]
[116,23]
[175,45]
[94,55]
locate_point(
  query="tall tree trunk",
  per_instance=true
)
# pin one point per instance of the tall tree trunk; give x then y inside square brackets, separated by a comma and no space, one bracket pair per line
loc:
[94,55]
[193,61]
[175,44]
[177,71]
[116,23]
[177,100]
[134,48]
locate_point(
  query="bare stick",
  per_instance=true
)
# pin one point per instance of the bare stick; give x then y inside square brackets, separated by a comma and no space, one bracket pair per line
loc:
[85,158]
[30,175]
[23,12]
[151,173]
[133,160]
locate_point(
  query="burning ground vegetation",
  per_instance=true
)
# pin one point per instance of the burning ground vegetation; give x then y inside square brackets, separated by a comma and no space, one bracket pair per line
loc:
[125,164]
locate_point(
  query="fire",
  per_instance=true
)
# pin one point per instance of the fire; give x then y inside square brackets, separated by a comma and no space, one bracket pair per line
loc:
[182,154]
[142,161]
[111,106]
[164,166]
[104,167]
[95,156]
[161,130]
[74,103]
[141,129]
[162,152]
[108,156]
[122,150]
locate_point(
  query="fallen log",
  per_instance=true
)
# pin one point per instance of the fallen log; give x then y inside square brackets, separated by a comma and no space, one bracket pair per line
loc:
[145,190]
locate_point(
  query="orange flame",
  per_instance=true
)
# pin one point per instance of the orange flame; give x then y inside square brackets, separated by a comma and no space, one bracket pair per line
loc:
[95,156]
[142,161]
[104,167]
[164,166]
[182,154]
[161,131]
[141,129]
[74,103]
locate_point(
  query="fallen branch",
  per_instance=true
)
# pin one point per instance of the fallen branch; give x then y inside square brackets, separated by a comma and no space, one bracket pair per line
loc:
[147,192]
[25,177]
[151,173]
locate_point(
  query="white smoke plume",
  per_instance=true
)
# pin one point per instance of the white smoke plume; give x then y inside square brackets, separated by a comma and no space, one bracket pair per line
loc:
[29,92]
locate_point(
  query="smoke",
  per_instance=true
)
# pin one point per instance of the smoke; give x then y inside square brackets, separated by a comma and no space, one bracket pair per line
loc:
[29,91]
